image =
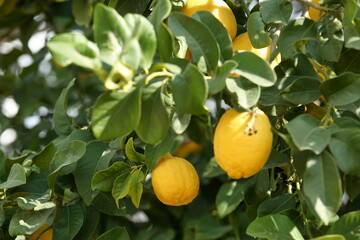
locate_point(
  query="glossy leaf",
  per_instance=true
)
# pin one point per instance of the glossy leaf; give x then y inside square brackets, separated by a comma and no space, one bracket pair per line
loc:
[160,12]
[246,92]
[345,147]
[16,177]
[275,11]
[274,227]
[116,114]
[307,134]
[68,222]
[348,225]
[91,220]
[136,187]
[217,82]
[277,205]
[130,152]
[105,203]
[256,29]
[331,39]
[43,158]
[322,186]
[341,90]
[302,91]
[117,233]
[254,68]
[277,159]
[121,186]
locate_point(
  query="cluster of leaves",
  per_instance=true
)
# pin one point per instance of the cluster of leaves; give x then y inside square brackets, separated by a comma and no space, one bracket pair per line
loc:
[142,98]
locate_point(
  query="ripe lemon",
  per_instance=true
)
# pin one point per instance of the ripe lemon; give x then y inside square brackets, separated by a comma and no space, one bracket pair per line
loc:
[242,42]
[175,181]
[47,235]
[187,148]
[242,151]
[218,8]
[314,13]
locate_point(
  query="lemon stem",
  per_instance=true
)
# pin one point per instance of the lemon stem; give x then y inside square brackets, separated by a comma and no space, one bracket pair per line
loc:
[250,125]
[157,74]
[327,116]
[316,6]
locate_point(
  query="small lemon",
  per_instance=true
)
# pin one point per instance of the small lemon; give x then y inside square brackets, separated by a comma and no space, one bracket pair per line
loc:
[47,235]
[241,149]
[175,181]
[242,42]
[187,148]
[314,13]
[218,8]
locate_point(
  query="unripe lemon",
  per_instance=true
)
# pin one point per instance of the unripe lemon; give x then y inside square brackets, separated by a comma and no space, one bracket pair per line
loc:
[175,181]
[218,8]
[241,145]
[47,235]
[242,42]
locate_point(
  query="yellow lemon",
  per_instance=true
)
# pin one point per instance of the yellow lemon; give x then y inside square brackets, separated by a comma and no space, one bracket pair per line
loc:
[242,42]
[242,142]
[47,235]
[314,13]
[218,8]
[175,181]
[187,148]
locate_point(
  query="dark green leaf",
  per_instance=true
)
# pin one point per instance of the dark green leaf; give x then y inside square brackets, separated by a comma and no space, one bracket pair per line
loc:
[117,233]
[254,68]
[86,168]
[16,177]
[345,146]
[302,91]
[82,11]
[274,227]
[199,38]
[275,11]
[256,29]
[207,227]
[62,122]
[348,225]
[297,30]
[116,114]
[189,91]
[277,205]
[307,134]
[91,220]
[154,152]
[154,122]
[105,203]
[277,159]
[331,39]
[43,158]
[351,186]
[342,90]
[322,186]
[68,222]
[104,180]
[246,92]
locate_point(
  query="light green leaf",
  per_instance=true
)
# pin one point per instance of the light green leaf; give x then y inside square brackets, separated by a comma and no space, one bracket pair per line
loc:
[254,68]
[121,186]
[322,186]
[331,39]
[274,227]
[217,82]
[330,237]
[136,187]
[116,114]
[82,11]
[246,92]
[307,134]
[275,11]
[256,29]
[16,177]
[131,154]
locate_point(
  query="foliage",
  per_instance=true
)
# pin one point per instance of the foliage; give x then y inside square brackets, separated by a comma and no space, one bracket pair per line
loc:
[111,92]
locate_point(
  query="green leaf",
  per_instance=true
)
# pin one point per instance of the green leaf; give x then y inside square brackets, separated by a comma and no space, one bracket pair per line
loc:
[276,159]
[68,222]
[276,205]
[345,147]
[91,220]
[350,9]
[116,114]
[351,186]
[62,123]
[212,169]
[144,33]
[246,92]
[104,180]
[154,122]
[154,152]
[303,90]
[117,233]
[44,157]
[165,42]
[36,202]
[341,90]
[218,30]
[206,227]
[2,215]
[199,38]
[344,65]
[136,187]
[180,122]
[352,36]
[86,168]
[348,225]
[217,82]
[254,68]
[26,222]
[189,91]
[68,48]
[2,167]
[121,186]
[330,39]
[82,11]
[256,29]
[275,11]
[160,12]
[16,177]
[105,203]
[330,237]
[307,134]
[274,227]
[230,195]
[295,31]
[322,186]
[131,154]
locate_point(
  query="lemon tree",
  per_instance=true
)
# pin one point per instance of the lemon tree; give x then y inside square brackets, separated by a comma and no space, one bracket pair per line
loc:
[175,119]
